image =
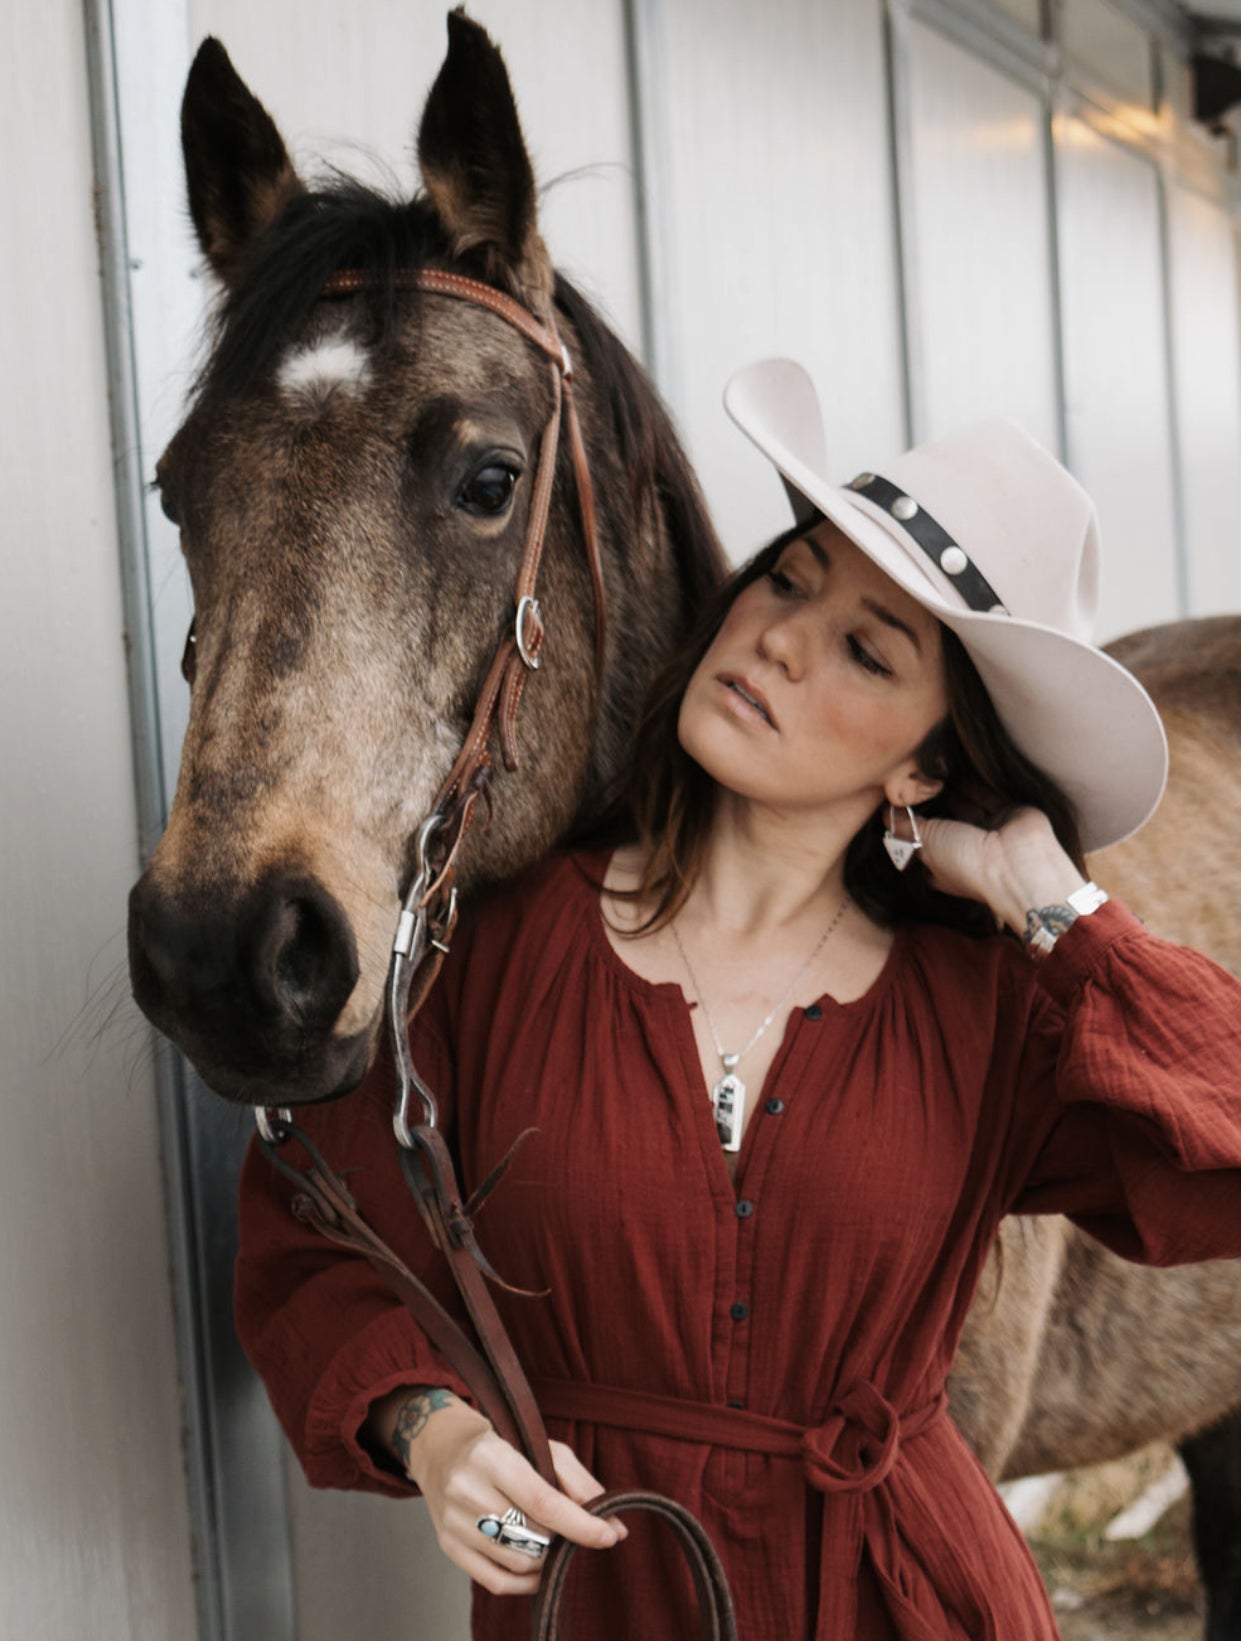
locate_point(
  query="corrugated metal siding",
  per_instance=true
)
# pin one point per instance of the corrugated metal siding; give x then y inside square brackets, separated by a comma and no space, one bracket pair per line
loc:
[94,1532]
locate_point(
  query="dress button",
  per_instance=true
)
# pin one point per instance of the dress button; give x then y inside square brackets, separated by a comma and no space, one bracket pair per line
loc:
[774,1107]
[739,1311]
[744,1209]
[814,1012]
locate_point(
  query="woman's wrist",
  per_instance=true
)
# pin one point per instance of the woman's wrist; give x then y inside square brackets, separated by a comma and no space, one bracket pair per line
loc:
[399,1423]
[1039,903]
[1031,885]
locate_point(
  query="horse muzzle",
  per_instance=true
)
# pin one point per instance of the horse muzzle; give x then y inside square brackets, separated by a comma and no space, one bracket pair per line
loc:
[250,985]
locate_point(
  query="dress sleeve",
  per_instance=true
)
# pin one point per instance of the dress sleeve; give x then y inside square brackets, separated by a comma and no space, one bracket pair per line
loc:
[1128,1109]
[325,1333]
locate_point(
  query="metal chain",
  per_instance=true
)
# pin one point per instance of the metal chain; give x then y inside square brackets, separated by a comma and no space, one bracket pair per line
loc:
[733,1060]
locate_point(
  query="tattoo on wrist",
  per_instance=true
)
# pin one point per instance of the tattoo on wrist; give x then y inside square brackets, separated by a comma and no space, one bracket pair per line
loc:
[411,1420]
[1045,925]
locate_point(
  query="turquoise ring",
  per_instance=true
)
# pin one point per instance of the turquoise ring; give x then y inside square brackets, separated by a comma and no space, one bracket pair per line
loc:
[511,1533]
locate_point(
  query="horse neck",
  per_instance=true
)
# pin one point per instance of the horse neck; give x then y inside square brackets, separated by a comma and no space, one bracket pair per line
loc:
[662,557]
[662,563]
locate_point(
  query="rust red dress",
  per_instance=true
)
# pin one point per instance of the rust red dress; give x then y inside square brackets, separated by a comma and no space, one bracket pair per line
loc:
[773,1350]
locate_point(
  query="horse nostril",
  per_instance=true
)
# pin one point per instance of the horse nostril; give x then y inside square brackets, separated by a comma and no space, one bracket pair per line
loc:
[305,959]
[305,954]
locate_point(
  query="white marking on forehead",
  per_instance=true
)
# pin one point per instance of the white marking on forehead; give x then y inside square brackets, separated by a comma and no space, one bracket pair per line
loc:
[335,364]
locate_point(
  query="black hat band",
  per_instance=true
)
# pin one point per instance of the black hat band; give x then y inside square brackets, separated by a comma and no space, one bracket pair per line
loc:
[948,556]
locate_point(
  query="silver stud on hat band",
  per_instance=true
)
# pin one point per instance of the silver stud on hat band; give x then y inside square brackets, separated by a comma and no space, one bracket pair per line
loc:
[947,556]
[952,560]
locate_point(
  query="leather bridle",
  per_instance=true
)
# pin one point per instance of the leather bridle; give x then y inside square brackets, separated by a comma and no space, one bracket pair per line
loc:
[424,932]
[428,914]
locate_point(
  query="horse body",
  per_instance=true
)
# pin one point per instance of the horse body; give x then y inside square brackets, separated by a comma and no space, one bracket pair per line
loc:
[349,483]
[1073,1356]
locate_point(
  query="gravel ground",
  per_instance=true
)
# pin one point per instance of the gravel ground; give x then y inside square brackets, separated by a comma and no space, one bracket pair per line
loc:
[1135,1590]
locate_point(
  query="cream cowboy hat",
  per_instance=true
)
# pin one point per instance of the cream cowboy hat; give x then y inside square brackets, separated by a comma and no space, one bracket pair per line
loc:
[987,531]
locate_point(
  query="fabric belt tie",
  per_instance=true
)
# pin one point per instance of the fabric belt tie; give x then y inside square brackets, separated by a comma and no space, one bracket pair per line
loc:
[852,1458]
[875,1424]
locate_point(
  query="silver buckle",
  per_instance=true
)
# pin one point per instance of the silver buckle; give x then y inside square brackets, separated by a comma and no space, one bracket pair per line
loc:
[531,661]
[272,1123]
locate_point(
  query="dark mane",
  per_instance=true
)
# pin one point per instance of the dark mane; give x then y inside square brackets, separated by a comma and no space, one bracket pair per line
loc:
[648,448]
[347,225]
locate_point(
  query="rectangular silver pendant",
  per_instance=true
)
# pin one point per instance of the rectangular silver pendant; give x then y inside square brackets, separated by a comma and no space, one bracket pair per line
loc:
[728,1103]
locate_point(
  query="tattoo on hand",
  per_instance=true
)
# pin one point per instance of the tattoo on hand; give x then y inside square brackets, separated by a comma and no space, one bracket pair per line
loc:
[1055,919]
[412,1418]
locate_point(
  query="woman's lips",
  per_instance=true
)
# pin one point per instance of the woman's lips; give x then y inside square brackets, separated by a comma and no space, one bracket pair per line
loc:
[741,689]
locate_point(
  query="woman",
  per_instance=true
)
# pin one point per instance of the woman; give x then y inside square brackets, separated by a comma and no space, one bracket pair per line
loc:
[788,1077]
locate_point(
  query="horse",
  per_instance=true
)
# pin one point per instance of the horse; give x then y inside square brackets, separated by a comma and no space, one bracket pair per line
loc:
[348,482]
[1158,1352]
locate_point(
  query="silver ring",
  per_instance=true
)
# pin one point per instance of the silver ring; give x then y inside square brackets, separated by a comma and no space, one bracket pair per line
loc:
[511,1533]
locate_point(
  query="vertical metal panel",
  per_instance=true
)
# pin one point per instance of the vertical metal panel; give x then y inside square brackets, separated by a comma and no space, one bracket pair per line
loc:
[153,304]
[775,229]
[1115,50]
[1116,370]
[1206,286]
[94,1528]
[983,307]
[1026,12]
[904,220]
[640,93]
[371,1568]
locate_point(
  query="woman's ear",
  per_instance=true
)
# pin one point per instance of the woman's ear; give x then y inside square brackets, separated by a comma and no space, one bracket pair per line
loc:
[908,787]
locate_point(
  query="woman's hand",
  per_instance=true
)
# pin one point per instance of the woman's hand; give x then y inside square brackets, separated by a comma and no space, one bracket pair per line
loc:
[464,1471]
[1017,867]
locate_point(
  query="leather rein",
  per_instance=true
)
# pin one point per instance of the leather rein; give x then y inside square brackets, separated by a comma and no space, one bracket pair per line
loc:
[428,917]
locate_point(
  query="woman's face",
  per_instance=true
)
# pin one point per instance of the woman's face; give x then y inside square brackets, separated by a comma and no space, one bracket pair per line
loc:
[820,685]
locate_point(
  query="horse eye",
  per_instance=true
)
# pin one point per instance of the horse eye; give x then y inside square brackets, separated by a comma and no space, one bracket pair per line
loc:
[168,506]
[189,655]
[489,491]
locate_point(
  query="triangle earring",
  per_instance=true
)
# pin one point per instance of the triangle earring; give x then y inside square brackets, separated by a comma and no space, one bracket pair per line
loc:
[901,850]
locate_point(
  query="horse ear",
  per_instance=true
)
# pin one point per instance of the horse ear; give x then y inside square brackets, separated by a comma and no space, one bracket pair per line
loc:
[474,163]
[237,169]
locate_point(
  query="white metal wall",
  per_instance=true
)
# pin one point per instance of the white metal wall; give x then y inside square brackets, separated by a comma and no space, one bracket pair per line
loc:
[772,225]
[94,1533]
[1044,237]
[1059,249]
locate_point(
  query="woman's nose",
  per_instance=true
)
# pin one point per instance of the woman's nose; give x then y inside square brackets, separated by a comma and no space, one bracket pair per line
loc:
[782,642]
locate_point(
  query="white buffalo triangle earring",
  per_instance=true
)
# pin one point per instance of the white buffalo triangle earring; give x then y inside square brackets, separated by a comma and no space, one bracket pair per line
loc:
[901,850]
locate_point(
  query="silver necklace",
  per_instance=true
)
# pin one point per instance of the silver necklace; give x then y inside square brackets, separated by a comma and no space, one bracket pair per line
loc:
[728,1095]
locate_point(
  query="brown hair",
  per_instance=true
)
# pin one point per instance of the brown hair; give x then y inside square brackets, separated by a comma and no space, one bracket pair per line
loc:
[665,801]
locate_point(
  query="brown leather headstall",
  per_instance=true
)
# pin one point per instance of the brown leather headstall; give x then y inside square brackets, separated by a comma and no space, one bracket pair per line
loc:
[487,1362]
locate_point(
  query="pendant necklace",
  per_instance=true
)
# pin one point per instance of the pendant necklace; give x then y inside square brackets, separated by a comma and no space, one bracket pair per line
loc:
[728,1095]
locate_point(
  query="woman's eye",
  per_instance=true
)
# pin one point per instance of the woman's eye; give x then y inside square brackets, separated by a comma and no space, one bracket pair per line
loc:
[189,655]
[864,658]
[489,491]
[782,582]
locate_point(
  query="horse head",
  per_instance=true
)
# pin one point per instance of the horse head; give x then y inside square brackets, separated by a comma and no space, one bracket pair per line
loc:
[352,483]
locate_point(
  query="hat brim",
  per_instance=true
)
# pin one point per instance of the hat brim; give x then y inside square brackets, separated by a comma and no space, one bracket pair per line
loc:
[1076,713]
